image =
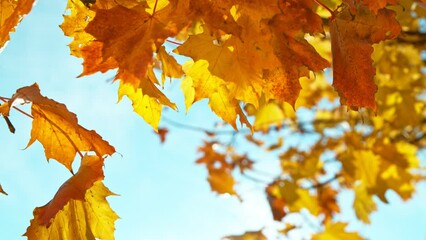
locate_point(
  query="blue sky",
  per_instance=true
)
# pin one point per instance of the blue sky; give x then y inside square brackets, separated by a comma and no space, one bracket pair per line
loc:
[163,194]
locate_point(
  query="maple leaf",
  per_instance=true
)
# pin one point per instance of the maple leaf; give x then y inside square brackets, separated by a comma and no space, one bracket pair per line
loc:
[57,129]
[287,194]
[94,61]
[398,161]
[199,83]
[130,36]
[147,99]
[74,25]
[260,67]
[243,162]
[11,13]
[75,188]
[169,66]
[87,219]
[336,231]
[327,202]
[267,116]
[352,37]
[366,166]
[363,203]
[221,181]
[229,54]
[296,55]
[255,235]
[216,16]
[220,177]
[276,202]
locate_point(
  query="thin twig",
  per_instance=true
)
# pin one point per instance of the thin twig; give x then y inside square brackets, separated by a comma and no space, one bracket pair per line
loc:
[326,8]
[197,128]
[176,43]
[322,184]
[255,179]
[19,110]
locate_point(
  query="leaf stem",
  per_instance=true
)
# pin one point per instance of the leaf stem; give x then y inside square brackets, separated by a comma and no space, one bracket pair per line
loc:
[196,128]
[155,7]
[322,184]
[176,43]
[4,99]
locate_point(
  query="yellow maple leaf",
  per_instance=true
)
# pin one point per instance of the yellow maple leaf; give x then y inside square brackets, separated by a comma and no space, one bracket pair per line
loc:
[288,194]
[199,83]
[225,55]
[363,203]
[169,66]
[147,99]
[74,24]
[57,129]
[367,166]
[11,13]
[87,219]
[336,231]
[396,170]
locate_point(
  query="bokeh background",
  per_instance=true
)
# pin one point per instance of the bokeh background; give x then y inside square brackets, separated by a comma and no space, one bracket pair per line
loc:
[163,194]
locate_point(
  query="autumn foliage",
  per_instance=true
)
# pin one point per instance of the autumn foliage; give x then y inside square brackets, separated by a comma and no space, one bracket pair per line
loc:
[259,63]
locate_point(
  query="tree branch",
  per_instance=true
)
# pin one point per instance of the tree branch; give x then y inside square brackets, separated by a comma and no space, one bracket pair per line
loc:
[326,182]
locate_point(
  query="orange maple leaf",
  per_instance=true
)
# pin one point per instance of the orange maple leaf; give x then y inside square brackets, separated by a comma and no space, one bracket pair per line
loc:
[374,5]
[328,202]
[296,55]
[11,13]
[89,218]
[220,177]
[352,37]
[90,171]
[57,129]
[216,16]
[131,36]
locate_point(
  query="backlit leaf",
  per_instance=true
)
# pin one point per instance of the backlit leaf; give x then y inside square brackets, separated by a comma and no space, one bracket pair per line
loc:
[336,231]
[57,129]
[199,83]
[375,5]
[75,188]
[86,219]
[367,167]
[352,37]
[11,13]
[258,235]
[363,204]
[122,30]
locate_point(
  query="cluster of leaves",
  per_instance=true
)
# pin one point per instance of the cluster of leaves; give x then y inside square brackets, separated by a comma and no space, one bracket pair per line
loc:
[268,55]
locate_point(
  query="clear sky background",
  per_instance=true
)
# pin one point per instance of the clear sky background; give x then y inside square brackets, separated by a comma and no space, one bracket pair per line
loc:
[163,194]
